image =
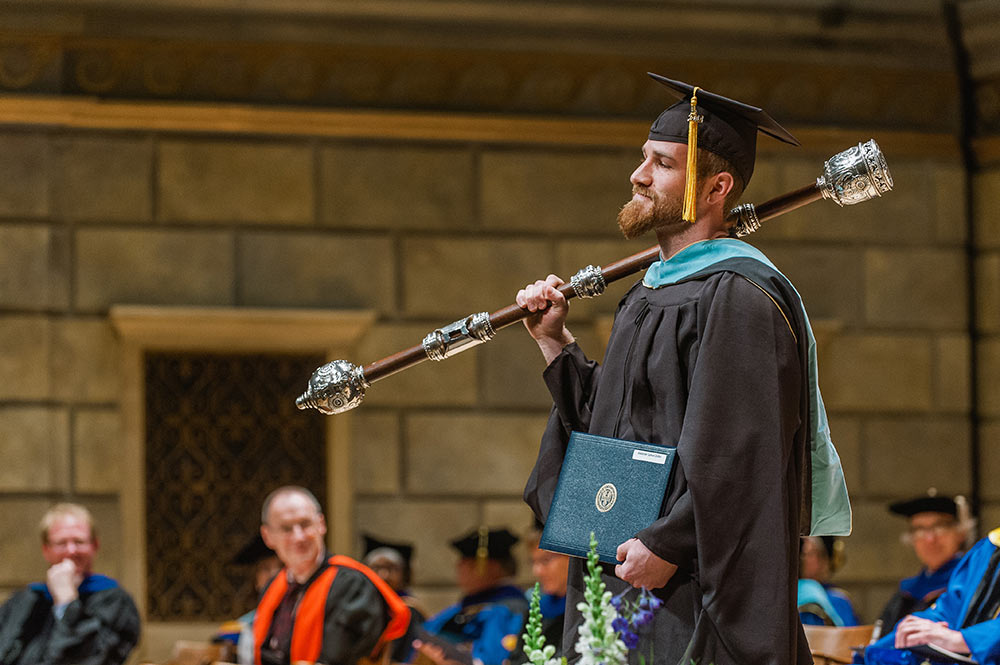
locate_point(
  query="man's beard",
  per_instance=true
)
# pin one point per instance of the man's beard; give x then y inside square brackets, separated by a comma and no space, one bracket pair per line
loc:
[634,220]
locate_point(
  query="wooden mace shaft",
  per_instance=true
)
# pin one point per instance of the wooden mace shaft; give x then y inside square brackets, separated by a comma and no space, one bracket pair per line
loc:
[613,272]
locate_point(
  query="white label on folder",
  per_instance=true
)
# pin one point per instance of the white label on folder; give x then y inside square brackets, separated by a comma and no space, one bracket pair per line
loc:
[644,456]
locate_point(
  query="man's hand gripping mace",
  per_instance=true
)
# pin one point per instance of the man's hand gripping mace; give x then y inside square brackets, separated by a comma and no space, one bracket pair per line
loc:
[852,176]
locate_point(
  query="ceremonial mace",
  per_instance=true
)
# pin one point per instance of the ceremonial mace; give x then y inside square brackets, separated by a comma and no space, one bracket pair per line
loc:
[852,176]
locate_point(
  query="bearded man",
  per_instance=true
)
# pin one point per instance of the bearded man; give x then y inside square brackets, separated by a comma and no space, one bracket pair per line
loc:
[712,353]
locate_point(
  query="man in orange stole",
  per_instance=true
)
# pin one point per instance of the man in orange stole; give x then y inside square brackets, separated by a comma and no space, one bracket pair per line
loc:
[319,608]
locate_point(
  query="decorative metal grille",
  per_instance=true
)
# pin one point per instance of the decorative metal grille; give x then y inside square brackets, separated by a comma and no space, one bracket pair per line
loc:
[221,432]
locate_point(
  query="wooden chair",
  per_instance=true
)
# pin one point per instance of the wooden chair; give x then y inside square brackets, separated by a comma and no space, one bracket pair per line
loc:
[187,652]
[832,644]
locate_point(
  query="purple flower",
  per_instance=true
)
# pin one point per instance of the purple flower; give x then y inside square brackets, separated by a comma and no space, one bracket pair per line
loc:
[642,617]
[620,625]
[630,639]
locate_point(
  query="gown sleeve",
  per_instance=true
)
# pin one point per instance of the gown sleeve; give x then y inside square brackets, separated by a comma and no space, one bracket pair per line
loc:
[99,630]
[356,615]
[571,379]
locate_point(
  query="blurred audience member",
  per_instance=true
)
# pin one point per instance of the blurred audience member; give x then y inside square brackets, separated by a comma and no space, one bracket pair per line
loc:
[487,619]
[76,617]
[393,563]
[550,570]
[820,602]
[963,620]
[239,632]
[318,608]
[938,528]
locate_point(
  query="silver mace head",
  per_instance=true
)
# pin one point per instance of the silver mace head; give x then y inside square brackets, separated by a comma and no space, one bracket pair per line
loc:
[335,387]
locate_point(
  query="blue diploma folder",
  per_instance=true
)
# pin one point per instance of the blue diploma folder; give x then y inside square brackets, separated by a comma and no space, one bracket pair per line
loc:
[611,487]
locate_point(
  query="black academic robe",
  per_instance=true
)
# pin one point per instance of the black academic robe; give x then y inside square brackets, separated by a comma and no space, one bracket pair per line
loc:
[99,628]
[715,365]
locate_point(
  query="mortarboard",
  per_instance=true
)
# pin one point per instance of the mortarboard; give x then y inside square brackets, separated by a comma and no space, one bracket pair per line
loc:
[405,550]
[928,503]
[255,550]
[485,543]
[724,126]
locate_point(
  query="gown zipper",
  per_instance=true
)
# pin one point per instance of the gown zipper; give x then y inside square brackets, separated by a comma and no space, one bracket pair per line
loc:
[639,317]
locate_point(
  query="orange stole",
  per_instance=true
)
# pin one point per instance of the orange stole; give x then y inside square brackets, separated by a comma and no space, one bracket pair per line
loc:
[307,628]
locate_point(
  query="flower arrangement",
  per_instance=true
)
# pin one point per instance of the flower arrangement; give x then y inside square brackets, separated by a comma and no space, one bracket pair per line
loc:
[611,624]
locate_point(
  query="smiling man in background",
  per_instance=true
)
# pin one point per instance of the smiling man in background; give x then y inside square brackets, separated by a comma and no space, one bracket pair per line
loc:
[76,616]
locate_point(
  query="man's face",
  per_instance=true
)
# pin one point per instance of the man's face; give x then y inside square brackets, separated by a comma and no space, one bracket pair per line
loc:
[295,531]
[657,190]
[551,570]
[70,538]
[936,538]
[389,571]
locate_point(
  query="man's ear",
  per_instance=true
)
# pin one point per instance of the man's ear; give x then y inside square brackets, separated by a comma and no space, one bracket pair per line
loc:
[264,535]
[719,186]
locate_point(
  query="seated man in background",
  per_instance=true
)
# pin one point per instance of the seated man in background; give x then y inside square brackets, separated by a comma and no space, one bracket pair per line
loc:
[964,619]
[392,562]
[820,602]
[76,617]
[239,632]
[550,569]
[488,617]
[938,527]
[318,608]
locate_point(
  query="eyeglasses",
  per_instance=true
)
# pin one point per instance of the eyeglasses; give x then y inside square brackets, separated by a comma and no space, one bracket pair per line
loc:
[930,531]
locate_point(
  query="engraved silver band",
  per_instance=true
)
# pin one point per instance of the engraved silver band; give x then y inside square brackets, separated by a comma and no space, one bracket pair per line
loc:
[588,282]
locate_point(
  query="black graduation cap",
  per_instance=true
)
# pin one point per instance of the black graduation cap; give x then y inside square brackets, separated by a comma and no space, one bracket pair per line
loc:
[405,549]
[728,128]
[928,503]
[486,543]
[255,550]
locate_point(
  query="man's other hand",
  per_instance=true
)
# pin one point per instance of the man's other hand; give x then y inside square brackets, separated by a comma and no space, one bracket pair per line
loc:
[913,631]
[640,567]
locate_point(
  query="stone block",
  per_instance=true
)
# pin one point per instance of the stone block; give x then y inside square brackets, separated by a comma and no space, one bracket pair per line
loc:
[24,364]
[951,373]
[990,516]
[513,514]
[84,364]
[20,541]
[153,268]
[877,373]
[986,201]
[874,550]
[828,278]
[988,292]
[102,178]
[915,288]
[432,187]
[846,434]
[904,457]
[452,382]
[34,267]
[376,452]
[766,182]
[474,455]
[989,461]
[452,278]
[574,255]
[988,371]
[97,451]
[314,270]
[950,204]
[512,371]
[24,175]
[36,449]
[437,598]
[248,182]
[574,191]
[107,518]
[429,525]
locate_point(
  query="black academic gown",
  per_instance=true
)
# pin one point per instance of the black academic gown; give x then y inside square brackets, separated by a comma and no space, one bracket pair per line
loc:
[99,628]
[715,365]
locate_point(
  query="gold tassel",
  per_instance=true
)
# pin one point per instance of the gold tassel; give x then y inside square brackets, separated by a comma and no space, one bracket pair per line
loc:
[483,549]
[691,180]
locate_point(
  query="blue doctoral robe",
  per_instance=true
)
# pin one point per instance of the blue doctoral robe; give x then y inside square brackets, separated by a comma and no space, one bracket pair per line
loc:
[490,620]
[974,583]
